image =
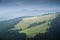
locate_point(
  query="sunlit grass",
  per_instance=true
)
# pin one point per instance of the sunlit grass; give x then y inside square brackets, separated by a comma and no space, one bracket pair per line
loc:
[27,21]
[35,30]
[31,32]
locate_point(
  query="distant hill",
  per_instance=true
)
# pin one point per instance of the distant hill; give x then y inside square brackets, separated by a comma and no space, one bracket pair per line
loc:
[31,27]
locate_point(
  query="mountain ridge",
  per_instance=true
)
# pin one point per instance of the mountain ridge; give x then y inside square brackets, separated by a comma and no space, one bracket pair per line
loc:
[28,27]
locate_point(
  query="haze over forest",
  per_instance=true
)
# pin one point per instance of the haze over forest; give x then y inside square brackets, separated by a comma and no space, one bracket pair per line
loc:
[29,19]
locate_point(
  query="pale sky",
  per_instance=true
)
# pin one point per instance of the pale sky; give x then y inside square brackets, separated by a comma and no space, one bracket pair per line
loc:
[10,9]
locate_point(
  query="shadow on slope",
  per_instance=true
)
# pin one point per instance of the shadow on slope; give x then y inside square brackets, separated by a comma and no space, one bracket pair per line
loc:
[6,25]
[13,35]
[35,24]
[53,32]
[7,34]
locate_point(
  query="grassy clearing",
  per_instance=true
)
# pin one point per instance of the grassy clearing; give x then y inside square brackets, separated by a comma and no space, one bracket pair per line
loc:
[31,32]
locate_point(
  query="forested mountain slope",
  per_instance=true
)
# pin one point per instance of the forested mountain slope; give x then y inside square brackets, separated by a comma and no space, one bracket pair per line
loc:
[44,27]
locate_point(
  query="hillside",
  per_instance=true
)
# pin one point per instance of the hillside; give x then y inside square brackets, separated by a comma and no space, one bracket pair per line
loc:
[40,22]
[35,27]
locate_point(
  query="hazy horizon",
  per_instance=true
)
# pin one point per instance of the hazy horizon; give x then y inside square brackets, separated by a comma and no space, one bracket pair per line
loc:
[10,9]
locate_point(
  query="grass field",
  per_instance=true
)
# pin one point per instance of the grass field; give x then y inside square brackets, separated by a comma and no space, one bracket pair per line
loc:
[29,27]
[31,32]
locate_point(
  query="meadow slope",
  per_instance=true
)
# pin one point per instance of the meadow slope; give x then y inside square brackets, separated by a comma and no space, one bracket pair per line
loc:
[28,27]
